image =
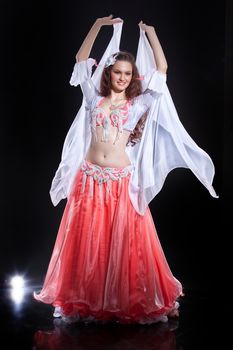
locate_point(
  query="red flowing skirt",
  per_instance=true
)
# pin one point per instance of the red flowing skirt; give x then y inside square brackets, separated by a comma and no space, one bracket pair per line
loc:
[107,262]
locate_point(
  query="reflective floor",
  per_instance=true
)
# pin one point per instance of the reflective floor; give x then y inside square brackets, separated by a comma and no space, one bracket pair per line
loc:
[27,324]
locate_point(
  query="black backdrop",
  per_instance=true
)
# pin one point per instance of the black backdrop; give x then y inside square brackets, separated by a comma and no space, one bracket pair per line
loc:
[39,41]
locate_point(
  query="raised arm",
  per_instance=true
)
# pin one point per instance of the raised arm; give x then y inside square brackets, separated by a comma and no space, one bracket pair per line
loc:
[85,49]
[159,56]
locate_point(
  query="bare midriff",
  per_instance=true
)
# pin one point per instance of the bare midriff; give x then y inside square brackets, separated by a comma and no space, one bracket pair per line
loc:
[108,153]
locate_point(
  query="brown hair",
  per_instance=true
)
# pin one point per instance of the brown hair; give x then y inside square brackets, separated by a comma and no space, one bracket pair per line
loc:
[134,89]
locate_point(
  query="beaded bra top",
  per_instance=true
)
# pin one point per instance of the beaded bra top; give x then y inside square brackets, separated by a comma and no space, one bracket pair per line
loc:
[117,117]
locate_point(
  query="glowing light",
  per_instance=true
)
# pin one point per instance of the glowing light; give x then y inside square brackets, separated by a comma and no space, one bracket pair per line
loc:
[17,289]
[17,295]
[17,282]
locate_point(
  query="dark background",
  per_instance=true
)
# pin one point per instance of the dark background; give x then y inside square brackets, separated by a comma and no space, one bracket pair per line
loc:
[39,40]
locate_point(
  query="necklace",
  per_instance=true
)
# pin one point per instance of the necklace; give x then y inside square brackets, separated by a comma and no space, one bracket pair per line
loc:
[116,104]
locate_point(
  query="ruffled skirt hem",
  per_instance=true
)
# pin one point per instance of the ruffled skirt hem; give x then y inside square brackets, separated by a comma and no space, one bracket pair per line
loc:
[101,317]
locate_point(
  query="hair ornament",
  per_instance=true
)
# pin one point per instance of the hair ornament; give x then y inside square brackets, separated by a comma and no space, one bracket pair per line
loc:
[110,60]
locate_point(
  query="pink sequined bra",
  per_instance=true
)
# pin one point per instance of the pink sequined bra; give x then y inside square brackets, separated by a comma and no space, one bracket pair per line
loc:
[118,117]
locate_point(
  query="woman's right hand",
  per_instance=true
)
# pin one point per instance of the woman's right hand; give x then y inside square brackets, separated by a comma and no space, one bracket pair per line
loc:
[108,21]
[85,49]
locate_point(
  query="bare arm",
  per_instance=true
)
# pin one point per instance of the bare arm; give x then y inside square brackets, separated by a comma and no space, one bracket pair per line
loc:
[85,49]
[159,56]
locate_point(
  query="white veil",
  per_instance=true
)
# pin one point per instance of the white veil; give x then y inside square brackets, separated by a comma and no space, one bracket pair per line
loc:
[78,138]
[165,144]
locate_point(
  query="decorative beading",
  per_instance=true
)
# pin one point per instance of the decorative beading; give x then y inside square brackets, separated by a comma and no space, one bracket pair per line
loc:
[118,117]
[101,175]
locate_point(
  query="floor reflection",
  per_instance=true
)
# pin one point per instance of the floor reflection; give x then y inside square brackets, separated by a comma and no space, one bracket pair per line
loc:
[161,336]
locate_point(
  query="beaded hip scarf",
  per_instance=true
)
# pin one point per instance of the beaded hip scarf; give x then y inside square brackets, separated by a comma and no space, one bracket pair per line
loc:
[103,174]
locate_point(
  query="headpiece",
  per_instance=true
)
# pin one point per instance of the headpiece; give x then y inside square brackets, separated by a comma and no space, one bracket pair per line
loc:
[110,60]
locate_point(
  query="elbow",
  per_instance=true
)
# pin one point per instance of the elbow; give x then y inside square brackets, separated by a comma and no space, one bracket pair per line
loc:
[80,58]
[162,68]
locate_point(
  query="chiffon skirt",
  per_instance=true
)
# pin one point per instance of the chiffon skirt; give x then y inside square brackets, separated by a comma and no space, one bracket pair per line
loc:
[107,263]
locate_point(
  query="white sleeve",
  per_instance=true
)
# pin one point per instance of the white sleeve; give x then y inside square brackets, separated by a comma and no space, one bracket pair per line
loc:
[155,81]
[81,75]
[139,106]
[147,99]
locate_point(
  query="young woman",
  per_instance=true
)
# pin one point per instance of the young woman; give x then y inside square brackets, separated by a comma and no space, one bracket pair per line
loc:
[107,263]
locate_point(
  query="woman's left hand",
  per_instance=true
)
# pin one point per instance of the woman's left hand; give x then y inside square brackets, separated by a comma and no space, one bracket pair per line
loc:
[145,27]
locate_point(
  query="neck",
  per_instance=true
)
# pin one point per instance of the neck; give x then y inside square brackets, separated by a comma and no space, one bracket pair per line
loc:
[117,96]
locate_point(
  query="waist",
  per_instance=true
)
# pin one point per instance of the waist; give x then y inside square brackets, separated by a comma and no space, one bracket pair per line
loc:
[107,155]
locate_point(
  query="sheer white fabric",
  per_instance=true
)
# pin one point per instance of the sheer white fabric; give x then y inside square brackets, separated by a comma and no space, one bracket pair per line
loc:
[165,144]
[78,138]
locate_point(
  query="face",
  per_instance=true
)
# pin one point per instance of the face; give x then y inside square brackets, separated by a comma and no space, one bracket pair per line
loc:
[121,75]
